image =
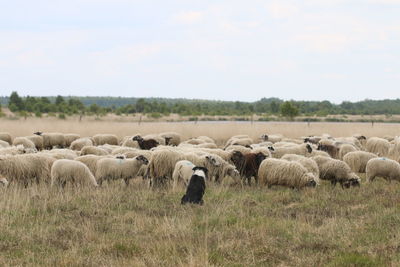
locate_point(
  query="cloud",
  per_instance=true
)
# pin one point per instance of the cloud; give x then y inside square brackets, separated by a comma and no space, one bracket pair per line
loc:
[280,10]
[324,43]
[188,17]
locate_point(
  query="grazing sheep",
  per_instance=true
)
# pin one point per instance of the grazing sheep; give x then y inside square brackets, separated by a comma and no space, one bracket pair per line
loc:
[69,138]
[318,153]
[344,149]
[37,141]
[303,149]
[93,150]
[271,138]
[78,144]
[239,141]
[207,145]
[206,139]
[336,171]
[75,172]
[26,168]
[312,139]
[128,142]
[51,140]
[383,167]
[6,137]
[197,187]
[102,139]
[307,163]
[145,144]
[242,149]
[248,164]
[285,173]
[358,160]
[331,149]
[112,169]
[25,142]
[194,141]
[378,146]
[4,144]
[171,138]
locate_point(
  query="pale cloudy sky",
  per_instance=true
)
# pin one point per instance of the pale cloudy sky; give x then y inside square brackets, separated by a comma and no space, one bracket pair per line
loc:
[222,49]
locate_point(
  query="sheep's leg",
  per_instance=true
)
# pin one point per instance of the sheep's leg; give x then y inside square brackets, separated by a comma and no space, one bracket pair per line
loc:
[333,182]
[100,181]
[63,184]
[126,181]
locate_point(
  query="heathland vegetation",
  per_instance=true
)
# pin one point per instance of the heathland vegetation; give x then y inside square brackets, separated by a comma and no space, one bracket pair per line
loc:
[265,108]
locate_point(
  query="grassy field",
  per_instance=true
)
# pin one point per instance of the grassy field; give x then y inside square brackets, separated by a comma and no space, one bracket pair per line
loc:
[238,226]
[135,226]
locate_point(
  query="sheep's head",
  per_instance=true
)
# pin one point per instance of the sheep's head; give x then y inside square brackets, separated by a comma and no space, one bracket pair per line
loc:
[260,157]
[142,159]
[309,148]
[264,137]
[307,140]
[271,148]
[353,180]
[38,133]
[167,140]
[120,156]
[237,156]
[137,138]
[233,172]
[310,180]
[213,161]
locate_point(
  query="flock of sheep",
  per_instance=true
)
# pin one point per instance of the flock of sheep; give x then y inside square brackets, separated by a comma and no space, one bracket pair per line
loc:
[168,161]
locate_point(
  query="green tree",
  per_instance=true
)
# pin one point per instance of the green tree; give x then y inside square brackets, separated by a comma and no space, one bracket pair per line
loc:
[288,109]
[15,103]
[274,107]
[59,100]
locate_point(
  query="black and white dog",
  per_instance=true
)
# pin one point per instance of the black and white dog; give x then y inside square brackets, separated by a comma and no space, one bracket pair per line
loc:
[197,186]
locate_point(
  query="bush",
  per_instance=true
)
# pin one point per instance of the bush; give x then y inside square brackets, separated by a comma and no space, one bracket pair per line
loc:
[62,116]
[38,114]
[155,115]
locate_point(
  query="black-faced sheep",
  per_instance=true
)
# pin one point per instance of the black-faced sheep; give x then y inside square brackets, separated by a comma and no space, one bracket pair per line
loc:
[336,171]
[196,188]
[75,172]
[285,173]
[171,138]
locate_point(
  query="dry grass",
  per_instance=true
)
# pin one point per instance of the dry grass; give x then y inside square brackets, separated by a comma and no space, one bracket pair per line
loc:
[134,226]
[219,131]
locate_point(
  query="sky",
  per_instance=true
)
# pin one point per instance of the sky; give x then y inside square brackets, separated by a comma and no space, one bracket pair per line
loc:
[332,50]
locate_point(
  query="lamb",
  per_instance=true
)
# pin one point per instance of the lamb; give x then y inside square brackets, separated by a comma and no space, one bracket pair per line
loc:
[51,140]
[112,169]
[75,172]
[383,167]
[378,146]
[93,150]
[102,139]
[248,164]
[336,171]
[307,163]
[37,141]
[78,144]
[69,138]
[196,188]
[6,137]
[145,144]
[182,172]
[4,144]
[344,149]
[303,149]
[358,160]
[285,173]
[25,142]
[26,168]
[171,138]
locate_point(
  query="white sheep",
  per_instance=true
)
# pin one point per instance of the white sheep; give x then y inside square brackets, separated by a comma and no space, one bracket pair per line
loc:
[51,140]
[182,172]
[378,146]
[358,160]
[101,139]
[303,150]
[307,163]
[13,150]
[25,142]
[75,172]
[93,150]
[4,136]
[69,138]
[78,144]
[37,141]
[346,148]
[112,169]
[171,138]
[285,173]
[382,167]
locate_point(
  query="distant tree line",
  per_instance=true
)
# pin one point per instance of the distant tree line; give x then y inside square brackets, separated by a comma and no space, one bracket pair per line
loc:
[187,107]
